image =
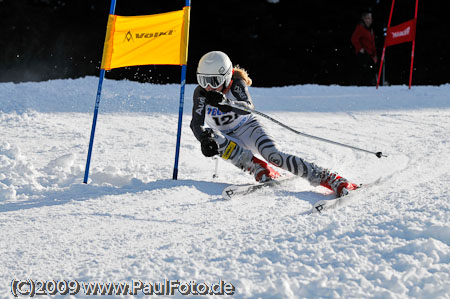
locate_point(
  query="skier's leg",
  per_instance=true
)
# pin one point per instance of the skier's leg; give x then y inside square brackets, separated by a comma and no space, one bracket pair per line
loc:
[260,142]
[232,149]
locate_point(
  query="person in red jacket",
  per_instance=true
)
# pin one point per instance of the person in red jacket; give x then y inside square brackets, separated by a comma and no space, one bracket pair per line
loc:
[363,41]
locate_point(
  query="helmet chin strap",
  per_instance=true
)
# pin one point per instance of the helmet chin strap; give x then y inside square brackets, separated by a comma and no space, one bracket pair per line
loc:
[225,90]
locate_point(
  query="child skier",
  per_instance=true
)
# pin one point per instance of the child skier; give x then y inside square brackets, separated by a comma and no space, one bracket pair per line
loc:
[236,136]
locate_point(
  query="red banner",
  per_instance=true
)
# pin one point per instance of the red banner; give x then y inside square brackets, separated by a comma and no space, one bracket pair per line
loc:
[405,32]
[402,33]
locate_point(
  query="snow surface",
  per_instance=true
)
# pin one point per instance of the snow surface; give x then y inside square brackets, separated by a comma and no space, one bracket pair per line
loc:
[133,222]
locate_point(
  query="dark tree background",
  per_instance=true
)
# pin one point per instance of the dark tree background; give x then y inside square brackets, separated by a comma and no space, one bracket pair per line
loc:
[283,43]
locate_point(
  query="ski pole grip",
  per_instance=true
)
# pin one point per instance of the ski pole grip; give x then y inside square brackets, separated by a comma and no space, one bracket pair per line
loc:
[380,154]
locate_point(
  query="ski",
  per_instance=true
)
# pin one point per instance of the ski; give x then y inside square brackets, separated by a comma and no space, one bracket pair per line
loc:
[330,204]
[233,191]
[336,203]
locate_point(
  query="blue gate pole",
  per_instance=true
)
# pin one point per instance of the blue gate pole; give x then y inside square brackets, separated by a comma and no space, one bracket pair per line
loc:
[180,121]
[180,114]
[97,104]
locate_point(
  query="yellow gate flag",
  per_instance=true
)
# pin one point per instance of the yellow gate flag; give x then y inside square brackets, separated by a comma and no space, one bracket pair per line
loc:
[152,39]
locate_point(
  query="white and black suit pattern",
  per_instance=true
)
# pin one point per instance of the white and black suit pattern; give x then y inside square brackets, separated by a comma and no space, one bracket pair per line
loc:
[246,131]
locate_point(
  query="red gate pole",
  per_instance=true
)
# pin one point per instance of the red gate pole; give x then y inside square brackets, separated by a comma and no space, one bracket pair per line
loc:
[413,45]
[384,47]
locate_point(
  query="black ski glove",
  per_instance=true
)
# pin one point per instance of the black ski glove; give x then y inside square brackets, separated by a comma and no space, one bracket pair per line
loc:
[208,144]
[214,97]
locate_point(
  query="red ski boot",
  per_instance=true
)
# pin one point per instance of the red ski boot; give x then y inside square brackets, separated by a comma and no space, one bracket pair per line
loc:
[336,183]
[263,172]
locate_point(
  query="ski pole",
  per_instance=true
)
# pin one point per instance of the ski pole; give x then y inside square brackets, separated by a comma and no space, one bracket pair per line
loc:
[243,109]
[215,174]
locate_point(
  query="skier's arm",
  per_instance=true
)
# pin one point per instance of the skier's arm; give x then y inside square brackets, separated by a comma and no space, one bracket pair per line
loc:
[240,98]
[198,113]
[240,92]
[355,39]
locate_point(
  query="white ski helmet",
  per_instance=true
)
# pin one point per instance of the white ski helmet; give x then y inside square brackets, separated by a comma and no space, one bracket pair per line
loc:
[214,69]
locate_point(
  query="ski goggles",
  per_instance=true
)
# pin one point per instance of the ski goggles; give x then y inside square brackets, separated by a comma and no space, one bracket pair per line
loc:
[214,81]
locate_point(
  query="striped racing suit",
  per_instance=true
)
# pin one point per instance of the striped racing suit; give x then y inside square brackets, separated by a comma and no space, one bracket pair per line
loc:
[245,133]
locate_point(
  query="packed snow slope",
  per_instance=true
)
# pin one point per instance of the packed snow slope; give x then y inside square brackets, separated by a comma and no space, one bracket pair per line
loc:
[133,222]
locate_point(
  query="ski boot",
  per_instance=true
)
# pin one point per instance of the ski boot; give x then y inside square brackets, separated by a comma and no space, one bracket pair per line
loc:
[261,170]
[339,185]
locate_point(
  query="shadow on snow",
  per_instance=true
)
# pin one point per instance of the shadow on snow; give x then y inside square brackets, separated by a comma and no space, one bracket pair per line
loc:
[83,192]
